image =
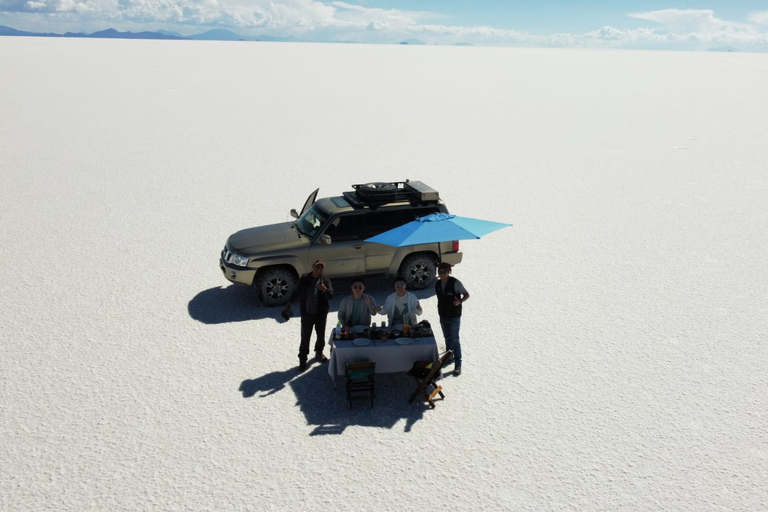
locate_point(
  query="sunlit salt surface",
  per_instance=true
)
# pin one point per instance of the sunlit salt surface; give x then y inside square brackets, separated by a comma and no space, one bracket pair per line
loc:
[614,344]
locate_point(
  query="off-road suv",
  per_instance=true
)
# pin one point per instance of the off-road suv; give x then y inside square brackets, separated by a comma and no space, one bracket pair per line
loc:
[271,258]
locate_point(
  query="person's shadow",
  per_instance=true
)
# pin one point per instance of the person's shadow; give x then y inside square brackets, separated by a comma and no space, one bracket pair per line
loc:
[270,383]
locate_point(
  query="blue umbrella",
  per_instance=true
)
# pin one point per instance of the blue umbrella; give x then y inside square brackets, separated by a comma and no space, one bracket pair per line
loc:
[437,227]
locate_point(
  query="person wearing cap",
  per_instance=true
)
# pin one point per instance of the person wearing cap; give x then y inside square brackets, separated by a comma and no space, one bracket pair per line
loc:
[314,292]
[450,296]
[402,306]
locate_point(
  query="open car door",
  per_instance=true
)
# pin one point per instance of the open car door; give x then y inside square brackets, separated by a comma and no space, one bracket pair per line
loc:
[310,201]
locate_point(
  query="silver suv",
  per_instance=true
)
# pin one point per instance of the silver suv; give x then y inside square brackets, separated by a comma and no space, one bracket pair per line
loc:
[271,258]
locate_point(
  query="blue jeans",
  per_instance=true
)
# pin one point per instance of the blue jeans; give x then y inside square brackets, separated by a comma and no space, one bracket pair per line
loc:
[451,328]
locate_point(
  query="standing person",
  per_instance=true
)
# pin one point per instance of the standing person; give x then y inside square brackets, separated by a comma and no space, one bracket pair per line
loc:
[402,306]
[450,295]
[314,290]
[357,309]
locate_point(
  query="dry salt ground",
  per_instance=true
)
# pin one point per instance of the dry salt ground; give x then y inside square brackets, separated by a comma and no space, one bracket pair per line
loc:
[615,342]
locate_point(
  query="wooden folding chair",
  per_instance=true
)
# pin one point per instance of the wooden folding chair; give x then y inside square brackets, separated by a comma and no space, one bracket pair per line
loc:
[360,380]
[426,373]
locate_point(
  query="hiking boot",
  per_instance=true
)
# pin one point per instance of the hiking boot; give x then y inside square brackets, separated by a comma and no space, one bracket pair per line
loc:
[321,357]
[302,366]
[457,370]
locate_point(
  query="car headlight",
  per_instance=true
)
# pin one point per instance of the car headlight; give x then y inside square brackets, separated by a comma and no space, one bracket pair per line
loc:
[240,261]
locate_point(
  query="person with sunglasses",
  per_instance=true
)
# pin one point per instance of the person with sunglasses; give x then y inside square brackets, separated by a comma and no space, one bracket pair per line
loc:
[356,309]
[402,306]
[314,292]
[450,295]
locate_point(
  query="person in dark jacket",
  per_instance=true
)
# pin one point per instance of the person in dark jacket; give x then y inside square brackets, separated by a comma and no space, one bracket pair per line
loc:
[450,296]
[314,291]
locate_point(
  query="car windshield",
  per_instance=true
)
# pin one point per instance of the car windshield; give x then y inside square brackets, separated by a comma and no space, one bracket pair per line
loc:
[311,221]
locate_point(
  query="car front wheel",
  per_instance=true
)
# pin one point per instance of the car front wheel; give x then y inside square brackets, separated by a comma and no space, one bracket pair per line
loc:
[418,270]
[274,285]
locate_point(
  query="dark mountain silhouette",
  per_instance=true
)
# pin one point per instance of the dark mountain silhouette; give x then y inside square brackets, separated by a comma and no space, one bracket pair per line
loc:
[8,31]
[111,33]
[108,34]
[218,34]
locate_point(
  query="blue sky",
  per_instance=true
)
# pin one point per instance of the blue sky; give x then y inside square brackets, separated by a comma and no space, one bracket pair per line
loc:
[648,24]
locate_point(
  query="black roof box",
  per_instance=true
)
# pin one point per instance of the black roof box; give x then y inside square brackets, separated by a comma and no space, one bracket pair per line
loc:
[381,193]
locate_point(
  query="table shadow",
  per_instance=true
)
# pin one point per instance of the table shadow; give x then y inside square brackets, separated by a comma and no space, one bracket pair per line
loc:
[327,408]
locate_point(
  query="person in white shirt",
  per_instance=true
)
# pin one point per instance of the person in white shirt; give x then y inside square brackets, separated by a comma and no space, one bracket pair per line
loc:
[402,306]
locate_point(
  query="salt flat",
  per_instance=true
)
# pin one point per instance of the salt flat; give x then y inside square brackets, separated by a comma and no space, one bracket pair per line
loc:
[615,342]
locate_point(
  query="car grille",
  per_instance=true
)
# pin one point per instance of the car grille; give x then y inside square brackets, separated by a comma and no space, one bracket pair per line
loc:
[226,255]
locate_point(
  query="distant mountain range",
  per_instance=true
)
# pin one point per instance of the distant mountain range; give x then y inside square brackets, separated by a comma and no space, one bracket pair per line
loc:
[110,33]
[218,34]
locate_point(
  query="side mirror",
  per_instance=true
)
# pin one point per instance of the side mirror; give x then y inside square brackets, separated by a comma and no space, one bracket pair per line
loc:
[324,240]
[294,213]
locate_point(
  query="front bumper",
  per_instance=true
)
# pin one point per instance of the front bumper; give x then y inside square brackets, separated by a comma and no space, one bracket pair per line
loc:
[237,275]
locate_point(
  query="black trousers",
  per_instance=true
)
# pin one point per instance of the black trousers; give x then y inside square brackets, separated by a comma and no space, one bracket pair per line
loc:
[308,322]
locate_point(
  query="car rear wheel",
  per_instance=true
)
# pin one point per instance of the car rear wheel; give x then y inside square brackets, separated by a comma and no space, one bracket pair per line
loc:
[274,285]
[418,270]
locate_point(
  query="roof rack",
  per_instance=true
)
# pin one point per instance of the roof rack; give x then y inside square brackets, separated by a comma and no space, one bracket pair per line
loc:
[381,193]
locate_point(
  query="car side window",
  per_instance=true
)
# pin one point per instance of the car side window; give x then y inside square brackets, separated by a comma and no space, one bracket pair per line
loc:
[380,221]
[345,228]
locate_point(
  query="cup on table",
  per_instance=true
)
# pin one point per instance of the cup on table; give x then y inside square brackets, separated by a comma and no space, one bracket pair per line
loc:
[406,329]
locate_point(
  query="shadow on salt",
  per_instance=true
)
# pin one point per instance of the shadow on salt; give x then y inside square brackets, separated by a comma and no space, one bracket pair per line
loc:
[231,304]
[327,409]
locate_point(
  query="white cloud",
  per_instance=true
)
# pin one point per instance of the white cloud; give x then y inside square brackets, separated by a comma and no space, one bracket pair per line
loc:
[162,10]
[760,17]
[376,25]
[696,29]
[291,13]
[690,21]
[71,5]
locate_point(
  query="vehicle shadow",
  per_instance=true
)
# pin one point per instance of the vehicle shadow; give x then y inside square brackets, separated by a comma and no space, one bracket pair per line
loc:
[236,303]
[231,304]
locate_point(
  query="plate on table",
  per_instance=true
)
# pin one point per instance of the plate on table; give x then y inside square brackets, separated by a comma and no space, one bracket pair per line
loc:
[361,342]
[403,341]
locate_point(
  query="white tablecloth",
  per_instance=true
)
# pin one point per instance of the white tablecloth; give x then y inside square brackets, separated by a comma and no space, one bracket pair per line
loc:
[389,356]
